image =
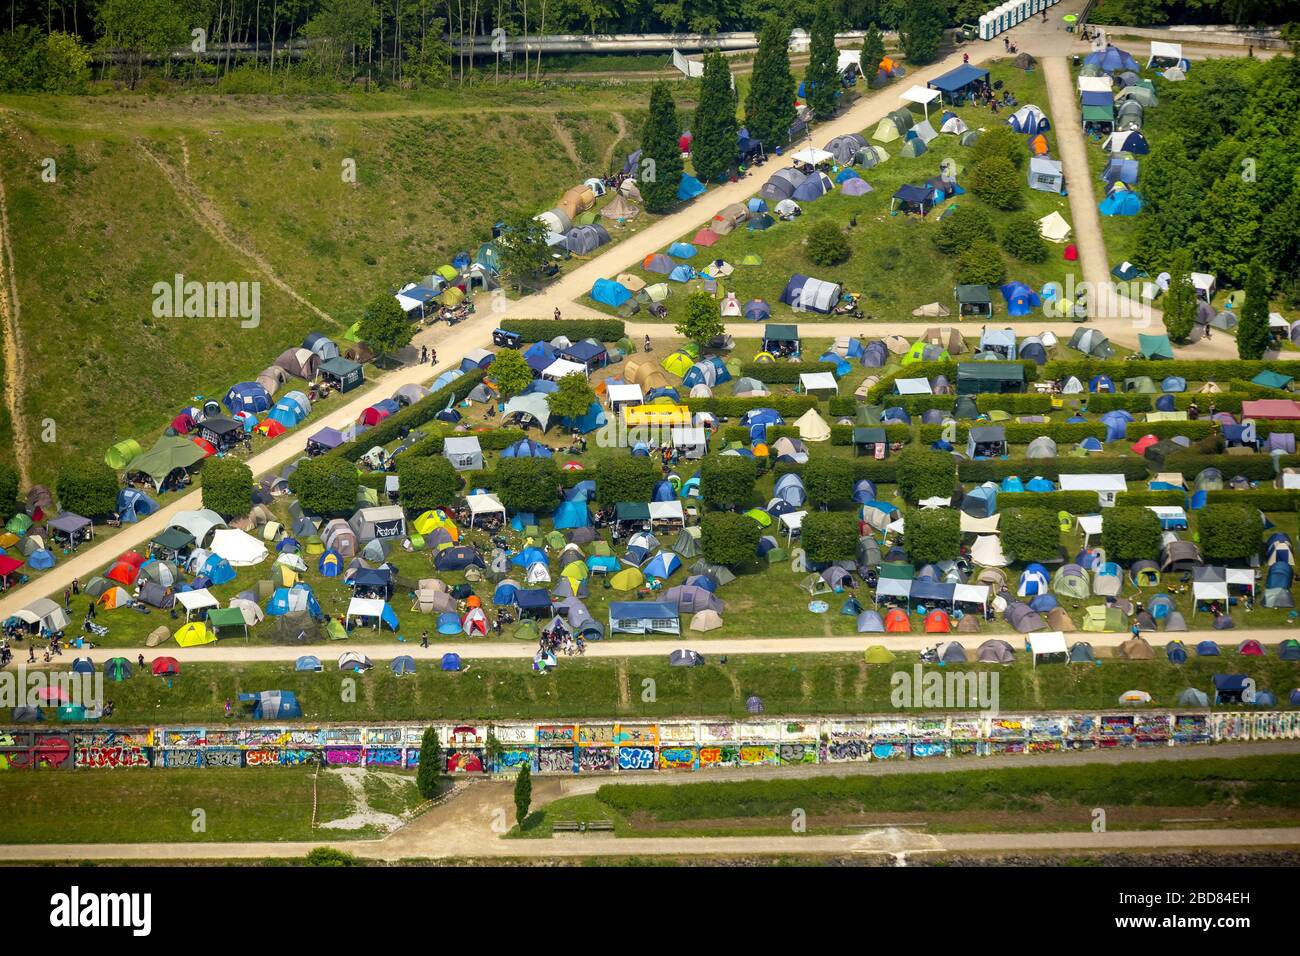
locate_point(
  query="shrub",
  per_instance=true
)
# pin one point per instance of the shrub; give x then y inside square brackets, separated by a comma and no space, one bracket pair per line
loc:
[426,483]
[828,480]
[1030,534]
[89,488]
[325,486]
[328,856]
[996,181]
[543,330]
[727,482]
[966,225]
[528,484]
[1022,238]
[1000,141]
[980,264]
[827,245]
[428,774]
[829,536]
[925,473]
[626,479]
[729,538]
[932,534]
[8,492]
[227,487]
[1228,532]
[1130,534]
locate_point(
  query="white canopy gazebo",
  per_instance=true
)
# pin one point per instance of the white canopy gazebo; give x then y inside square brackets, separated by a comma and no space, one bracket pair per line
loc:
[792,521]
[484,503]
[812,156]
[195,601]
[1046,644]
[920,96]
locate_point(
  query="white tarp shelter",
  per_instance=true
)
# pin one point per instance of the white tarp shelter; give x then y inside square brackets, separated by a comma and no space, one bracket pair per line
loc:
[666,511]
[194,601]
[812,156]
[562,367]
[1095,84]
[239,548]
[913,386]
[921,97]
[483,503]
[814,382]
[792,521]
[1165,51]
[625,394]
[1045,643]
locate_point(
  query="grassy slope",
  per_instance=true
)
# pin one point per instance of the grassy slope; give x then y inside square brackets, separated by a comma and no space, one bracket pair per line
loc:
[158,805]
[612,687]
[1237,791]
[432,178]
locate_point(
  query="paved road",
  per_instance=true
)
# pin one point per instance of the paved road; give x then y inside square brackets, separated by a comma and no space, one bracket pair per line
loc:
[468,826]
[233,652]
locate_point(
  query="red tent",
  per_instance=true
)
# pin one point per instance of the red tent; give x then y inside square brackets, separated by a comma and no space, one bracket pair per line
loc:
[684,142]
[1071,253]
[8,565]
[166,666]
[270,428]
[1280,409]
[126,568]
[372,416]
[183,424]
[209,449]
[1142,444]
[936,622]
[706,237]
[1250,648]
[896,622]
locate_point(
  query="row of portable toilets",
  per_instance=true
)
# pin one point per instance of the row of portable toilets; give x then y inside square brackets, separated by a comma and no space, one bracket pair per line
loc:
[1006,16]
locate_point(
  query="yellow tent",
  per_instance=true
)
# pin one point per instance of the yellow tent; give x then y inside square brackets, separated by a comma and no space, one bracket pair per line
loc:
[577,570]
[195,633]
[284,576]
[879,654]
[678,363]
[452,296]
[629,579]
[430,521]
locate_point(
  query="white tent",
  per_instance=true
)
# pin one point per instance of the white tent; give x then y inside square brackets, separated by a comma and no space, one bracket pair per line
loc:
[812,427]
[667,511]
[814,382]
[972,525]
[1045,643]
[1053,227]
[1165,51]
[193,601]
[971,594]
[812,156]
[921,97]
[987,552]
[240,548]
[198,523]
[1095,84]
[847,57]
[483,503]
[562,367]
[792,521]
[913,386]
[691,69]
[692,442]
[625,395]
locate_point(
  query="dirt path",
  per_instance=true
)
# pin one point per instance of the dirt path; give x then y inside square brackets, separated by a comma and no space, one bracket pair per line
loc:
[711,648]
[620,133]
[205,212]
[471,824]
[10,310]
[566,140]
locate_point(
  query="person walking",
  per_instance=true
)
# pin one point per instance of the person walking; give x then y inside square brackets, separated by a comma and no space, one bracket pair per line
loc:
[424,354]
[424,639]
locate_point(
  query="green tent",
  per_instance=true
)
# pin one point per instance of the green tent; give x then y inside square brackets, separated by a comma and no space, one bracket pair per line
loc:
[879,654]
[526,630]
[1155,347]
[1099,114]
[231,617]
[168,453]
[975,378]
[1271,379]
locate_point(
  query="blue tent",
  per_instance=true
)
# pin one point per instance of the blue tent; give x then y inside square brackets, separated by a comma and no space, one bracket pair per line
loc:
[689,188]
[528,557]
[1039,485]
[572,514]
[1173,383]
[308,663]
[287,412]
[682,273]
[606,563]
[814,187]
[273,704]
[526,448]
[133,505]
[1101,383]
[681,250]
[1122,202]
[1207,649]
[662,565]
[606,292]
[1176,652]
[757,205]
[450,662]
[1112,60]
[863,491]
[1090,444]
[1119,170]
[594,419]
[247,397]
[848,172]
[789,487]
[1164,403]
[405,664]
[217,570]
[1012,484]
[448,623]
[1116,426]
[1021,299]
[505,593]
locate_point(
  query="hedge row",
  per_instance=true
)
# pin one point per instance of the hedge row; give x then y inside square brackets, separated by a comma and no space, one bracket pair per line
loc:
[1013,403]
[1139,402]
[788,406]
[782,373]
[1254,467]
[1175,499]
[1133,469]
[1075,502]
[843,434]
[1019,433]
[1265,499]
[1200,370]
[411,417]
[543,330]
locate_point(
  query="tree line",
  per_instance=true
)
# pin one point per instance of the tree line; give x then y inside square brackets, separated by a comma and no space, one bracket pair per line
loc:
[61,45]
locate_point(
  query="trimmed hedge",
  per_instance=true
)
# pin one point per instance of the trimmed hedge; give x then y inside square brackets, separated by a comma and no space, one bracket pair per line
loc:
[1254,467]
[1075,502]
[1173,499]
[788,406]
[843,434]
[1133,469]
[411,417]
[1265,499]
[782,373]
[543,330]
[1221,371]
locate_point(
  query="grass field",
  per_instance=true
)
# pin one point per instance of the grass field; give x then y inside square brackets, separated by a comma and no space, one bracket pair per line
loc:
[1216,792]
[894,265]
[200,805]
[617,687]
[432,176]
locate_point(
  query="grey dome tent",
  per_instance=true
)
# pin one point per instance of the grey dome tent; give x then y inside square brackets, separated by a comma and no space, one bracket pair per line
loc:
[1041,447]
[953,653]
[684,657]
[1191,697]
[994,651]
[582,240]
[1081,653]
[1024,618]
[781,185]
[845,148]
[869,622]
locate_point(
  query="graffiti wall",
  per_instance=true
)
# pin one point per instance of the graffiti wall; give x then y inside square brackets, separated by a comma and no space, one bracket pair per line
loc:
[604,747]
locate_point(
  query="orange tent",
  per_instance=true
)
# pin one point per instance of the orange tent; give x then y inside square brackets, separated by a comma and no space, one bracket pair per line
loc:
[270,428]
[473,601]
[1038,145]
[896,622]
[209,449]
[936,622]
[887,65]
